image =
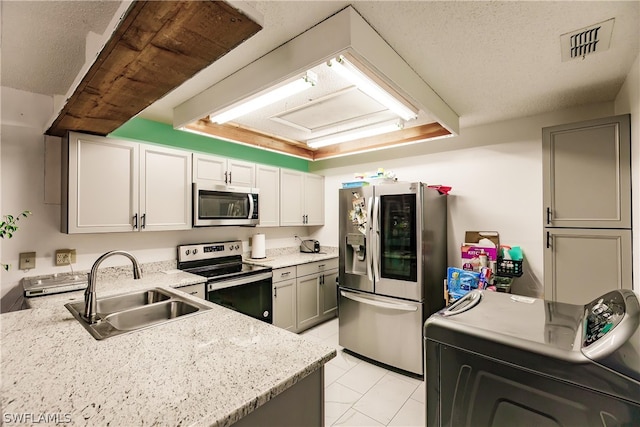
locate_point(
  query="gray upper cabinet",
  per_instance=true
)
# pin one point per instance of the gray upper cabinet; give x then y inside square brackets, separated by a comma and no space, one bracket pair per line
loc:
[587,174]
[301,198]
[216,170]
[114,186]
[268,182]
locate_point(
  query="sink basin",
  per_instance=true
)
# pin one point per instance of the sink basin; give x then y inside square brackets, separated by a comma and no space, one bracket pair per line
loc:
[117,303]
[148,315]
[137,310]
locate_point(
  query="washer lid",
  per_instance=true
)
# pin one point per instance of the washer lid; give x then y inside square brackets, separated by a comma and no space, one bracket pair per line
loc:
[531,324]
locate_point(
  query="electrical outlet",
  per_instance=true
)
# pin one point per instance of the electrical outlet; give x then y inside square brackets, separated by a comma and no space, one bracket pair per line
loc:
[65,256]
[27,260]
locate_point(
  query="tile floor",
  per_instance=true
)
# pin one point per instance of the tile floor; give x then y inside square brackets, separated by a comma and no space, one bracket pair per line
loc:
[358,393]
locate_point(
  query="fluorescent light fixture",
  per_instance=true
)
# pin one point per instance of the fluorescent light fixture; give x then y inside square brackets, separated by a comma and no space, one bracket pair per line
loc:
[271,96]
[363,82]
[361,132]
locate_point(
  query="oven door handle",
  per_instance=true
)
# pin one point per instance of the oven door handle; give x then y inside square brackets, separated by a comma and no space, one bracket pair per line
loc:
[237,282]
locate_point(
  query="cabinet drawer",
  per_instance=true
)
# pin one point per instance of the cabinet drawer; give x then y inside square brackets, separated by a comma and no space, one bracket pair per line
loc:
[317,266]
[281,274]
[195,290]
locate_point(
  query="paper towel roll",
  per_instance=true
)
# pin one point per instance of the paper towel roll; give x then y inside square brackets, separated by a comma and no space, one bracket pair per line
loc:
[258,246]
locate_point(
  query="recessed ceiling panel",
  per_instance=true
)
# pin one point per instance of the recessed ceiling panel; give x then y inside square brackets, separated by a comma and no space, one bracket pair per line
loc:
[344,106]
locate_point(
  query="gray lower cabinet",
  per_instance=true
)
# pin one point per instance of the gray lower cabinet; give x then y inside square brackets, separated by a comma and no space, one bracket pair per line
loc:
[329,291]
[284,298]
[582,264]
[305,295]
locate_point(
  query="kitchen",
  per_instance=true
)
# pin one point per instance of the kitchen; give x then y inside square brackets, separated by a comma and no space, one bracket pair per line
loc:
[506,150]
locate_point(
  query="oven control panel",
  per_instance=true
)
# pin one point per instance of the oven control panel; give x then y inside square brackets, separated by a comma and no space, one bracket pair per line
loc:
[204,251]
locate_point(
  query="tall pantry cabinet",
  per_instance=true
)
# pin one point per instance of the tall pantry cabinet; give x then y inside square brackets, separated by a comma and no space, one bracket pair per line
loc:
[587,209]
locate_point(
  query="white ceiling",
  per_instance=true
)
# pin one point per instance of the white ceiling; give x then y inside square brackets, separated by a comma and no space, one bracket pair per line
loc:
[488,61]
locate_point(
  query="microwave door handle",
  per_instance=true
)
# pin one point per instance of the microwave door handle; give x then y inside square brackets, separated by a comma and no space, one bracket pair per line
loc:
[375,234]
[367,243]
[250,206]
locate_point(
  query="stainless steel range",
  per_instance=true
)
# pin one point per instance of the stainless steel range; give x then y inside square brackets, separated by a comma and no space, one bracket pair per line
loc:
[231,283]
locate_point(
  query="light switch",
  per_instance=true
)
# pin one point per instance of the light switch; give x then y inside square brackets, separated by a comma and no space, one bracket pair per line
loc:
[27,260]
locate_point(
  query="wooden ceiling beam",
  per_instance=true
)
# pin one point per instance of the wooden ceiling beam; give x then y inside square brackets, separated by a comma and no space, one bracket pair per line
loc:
[387,140]
[157,46]
[252,138]
[244,136]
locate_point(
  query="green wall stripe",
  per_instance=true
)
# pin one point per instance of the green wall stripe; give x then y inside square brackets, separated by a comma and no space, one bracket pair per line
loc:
[140,129]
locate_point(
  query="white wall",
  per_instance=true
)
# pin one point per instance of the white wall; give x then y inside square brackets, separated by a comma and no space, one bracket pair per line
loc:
[496,174]
[23,188]
[628,101]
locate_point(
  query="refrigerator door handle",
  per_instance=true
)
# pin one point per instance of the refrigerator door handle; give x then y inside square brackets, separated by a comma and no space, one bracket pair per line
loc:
[378,303]
[548,215]
[548,240]
[368,251]
[375,233]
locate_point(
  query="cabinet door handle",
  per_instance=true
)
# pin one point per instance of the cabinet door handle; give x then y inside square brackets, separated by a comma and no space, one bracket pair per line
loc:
[229,177]
[321,266]
[225,177]
[143,220]
[135,221]
[548,240]
[548,215]
[275,292]
[286,273]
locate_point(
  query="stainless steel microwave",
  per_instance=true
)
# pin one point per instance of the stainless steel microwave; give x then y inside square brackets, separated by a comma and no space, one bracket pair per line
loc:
[224,205]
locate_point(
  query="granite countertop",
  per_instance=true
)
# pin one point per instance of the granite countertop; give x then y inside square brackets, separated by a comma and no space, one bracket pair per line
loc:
[212,368]
[287,257]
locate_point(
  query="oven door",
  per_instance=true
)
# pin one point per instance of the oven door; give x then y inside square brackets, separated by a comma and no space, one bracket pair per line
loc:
[250,295]
[222,205]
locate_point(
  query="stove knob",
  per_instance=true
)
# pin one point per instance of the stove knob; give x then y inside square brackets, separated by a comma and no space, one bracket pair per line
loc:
[237,247]
[187,252]
[195,251]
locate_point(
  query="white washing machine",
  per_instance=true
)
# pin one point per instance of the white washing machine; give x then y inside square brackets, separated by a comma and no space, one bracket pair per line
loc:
[495,359]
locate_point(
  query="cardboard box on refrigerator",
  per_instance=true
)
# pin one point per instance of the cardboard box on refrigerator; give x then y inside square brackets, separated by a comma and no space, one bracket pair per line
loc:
[479,242]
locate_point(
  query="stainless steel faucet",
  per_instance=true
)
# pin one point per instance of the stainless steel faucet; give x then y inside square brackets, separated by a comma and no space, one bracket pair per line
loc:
[90,304]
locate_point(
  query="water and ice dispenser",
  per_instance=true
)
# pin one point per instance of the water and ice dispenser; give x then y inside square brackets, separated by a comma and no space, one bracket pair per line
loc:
[356,254]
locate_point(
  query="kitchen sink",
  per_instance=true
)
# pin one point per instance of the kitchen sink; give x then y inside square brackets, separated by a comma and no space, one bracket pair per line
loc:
[141,317]
[134,311]
[117,303]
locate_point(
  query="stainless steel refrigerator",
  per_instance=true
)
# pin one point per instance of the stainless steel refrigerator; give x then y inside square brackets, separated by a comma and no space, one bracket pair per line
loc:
[393,260]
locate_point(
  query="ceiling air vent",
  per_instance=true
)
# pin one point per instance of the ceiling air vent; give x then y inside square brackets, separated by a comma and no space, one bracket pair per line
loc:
[585,41]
